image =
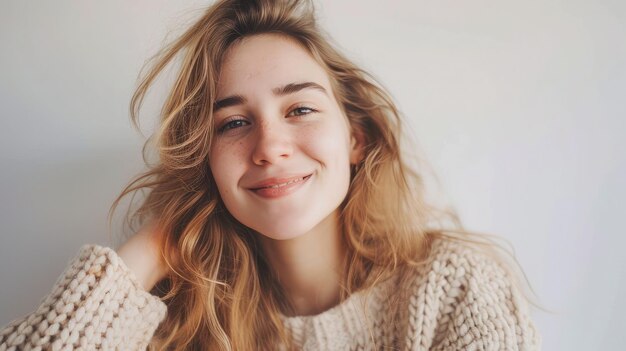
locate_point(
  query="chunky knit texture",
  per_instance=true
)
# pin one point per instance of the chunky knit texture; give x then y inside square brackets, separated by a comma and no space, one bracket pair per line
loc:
[96,304]
[460,300]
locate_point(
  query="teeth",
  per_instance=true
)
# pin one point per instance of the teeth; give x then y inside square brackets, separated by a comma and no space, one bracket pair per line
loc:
[283,184]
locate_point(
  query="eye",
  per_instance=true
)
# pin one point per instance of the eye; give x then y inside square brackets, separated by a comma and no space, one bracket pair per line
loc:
[301,111]
[236,123]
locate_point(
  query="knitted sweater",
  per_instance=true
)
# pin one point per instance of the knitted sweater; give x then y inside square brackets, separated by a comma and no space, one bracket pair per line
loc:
[460,300]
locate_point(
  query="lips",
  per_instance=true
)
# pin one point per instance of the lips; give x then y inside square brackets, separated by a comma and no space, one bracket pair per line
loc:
[278,182]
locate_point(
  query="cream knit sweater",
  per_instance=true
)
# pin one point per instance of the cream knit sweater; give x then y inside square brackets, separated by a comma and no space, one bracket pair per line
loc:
[461,300]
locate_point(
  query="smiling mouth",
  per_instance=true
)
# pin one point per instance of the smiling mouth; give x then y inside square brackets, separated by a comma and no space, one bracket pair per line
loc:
[276,186]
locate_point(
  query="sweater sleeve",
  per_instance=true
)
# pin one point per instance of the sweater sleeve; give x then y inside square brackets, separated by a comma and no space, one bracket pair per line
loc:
[490,312]
[96,303]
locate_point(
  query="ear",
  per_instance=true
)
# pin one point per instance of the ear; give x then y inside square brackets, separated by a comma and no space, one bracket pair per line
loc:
[357,146]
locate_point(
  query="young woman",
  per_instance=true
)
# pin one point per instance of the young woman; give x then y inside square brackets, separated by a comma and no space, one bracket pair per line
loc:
[281,214]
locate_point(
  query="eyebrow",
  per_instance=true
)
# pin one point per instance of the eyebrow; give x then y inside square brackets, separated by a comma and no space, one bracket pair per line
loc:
[287,89]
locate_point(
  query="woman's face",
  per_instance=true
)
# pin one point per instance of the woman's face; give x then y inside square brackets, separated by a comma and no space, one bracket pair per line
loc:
[276,119]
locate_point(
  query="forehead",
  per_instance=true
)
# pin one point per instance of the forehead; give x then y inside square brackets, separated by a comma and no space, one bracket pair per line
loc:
[265,61]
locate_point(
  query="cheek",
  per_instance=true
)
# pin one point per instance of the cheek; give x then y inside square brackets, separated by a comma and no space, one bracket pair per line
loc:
[225,164]
[329,143]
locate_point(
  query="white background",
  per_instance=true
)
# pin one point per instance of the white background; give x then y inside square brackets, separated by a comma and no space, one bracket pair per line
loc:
[519,107]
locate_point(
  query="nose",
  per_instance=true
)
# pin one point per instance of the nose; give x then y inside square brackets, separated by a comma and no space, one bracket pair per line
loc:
[273,143]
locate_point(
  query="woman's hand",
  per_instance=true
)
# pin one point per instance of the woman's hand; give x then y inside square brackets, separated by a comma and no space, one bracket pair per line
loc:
[141,254]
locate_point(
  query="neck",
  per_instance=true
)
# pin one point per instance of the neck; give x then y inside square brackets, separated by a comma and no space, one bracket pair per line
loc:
[310,267]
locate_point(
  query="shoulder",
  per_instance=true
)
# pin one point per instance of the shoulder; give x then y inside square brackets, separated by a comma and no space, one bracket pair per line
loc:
[468,273]
[461,259]
[467,297]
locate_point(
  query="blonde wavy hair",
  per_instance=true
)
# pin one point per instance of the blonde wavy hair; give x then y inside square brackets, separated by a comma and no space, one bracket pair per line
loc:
[221,293]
